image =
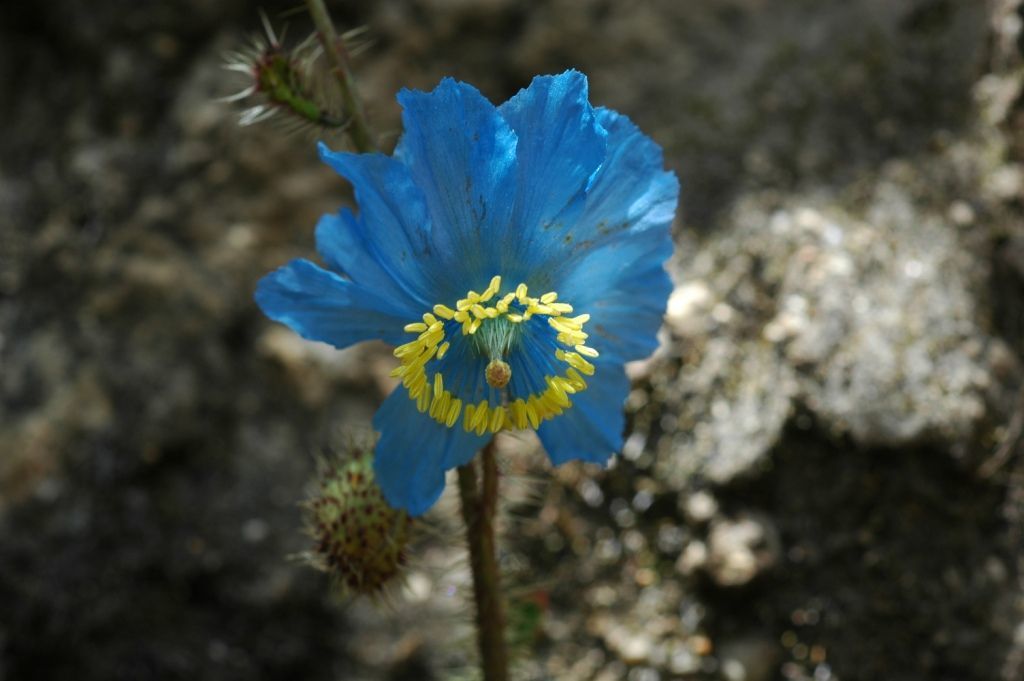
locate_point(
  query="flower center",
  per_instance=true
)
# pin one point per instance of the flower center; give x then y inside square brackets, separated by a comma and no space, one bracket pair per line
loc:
[513,366]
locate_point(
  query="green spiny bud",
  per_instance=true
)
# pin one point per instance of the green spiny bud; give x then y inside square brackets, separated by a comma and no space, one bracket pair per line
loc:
[359,538]
[288,80]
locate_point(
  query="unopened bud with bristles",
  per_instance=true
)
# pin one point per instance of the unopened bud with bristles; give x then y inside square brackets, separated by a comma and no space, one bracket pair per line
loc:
[358,537]
[288,81]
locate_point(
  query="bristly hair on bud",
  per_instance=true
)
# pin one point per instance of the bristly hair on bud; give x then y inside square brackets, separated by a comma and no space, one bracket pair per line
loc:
[358,538]
[290,85]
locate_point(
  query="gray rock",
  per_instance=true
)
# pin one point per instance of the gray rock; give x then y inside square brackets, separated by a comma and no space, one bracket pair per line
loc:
[869,309]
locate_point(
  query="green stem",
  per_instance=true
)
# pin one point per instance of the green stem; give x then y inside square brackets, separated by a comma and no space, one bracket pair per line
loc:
[337,56]
[478,508]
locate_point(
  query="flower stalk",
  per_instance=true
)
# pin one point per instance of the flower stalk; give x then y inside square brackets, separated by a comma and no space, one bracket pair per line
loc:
[337,58]
[478,510]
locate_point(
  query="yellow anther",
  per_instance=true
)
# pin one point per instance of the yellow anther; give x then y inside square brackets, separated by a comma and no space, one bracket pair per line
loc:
[429,319]
[576,362]
[562,325]
[444,311]
[407,349]
[479,311]
[421,359]
[561,308]
[521,292]
[531,412]
[556,394]
[480,417]
[431,337]
[438,385]
[423,401]
[443,350]
[474,325]
[577,381]
[549,297]
[414,381]
[497,419]
[517,414]
[398,371]
[467,420]
[492,288]
[584,350]
[516,318]
[481,427]
[453,412]
[564,385]
[437,407]
[415,327]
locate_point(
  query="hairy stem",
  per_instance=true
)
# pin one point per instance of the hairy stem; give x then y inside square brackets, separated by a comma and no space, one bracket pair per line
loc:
[337,56]
[478,508]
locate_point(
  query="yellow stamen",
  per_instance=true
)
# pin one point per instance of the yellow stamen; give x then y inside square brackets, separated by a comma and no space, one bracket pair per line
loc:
[427,387]
[497,419]
[453,412]
[480,417]
[531,412]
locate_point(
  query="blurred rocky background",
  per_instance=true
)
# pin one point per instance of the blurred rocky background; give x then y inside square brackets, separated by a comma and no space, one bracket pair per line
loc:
[823,477]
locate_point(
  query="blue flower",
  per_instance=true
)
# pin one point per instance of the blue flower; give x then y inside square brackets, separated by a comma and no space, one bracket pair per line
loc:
[513,254]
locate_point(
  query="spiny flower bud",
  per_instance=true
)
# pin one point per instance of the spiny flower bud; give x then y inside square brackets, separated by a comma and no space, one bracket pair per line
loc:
[288,80]
[359,538]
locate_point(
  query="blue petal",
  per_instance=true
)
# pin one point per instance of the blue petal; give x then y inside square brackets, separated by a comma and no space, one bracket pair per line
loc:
[591,429]
[320,305]
[393,228]
[462,155]
[414,451]
[624,287]
[631,193]
[615,269]
[560,147]
[341,243]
